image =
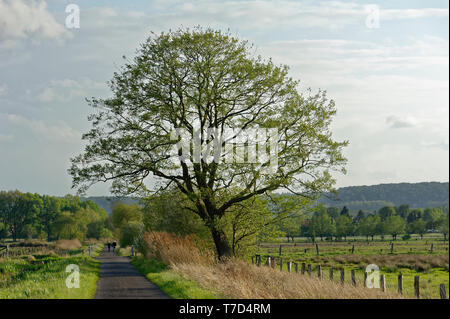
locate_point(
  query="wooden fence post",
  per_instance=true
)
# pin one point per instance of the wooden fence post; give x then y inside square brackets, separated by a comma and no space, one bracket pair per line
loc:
[431,249]
[288,264]
[317,249]
[296,267]
[353,277]
[303,268]
[331,274]
[442,291]
[279,251]
[7,250]
[309,270]
[392,248]
[416,287]
[400,284]
[353,249]
[281,264]
[319,271]
[365,279]
[342,276]
[383,283]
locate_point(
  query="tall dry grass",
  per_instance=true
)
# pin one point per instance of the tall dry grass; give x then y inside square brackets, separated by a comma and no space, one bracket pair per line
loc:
[68,244]
[235,278]
[172,249]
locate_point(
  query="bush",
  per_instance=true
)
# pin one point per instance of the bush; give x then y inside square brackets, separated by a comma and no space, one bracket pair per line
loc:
[68,244]
[406,237]
[130,232]
[172,249]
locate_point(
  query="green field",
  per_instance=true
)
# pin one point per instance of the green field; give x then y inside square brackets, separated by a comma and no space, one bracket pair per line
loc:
[171,283]
[38,272]
[409,258]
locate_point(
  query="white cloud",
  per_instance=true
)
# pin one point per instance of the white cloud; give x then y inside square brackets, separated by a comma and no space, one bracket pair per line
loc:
[395,14]
[6,137]
[3,89]
[397,122]
[60,131]
[66,89]
[263,14]
[20,19]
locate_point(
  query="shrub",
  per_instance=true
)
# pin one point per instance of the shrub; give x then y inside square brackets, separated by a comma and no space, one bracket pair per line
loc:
[130,233]
[172,249]
[68,244]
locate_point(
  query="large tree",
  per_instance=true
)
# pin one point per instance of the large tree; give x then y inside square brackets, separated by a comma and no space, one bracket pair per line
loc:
[195,80]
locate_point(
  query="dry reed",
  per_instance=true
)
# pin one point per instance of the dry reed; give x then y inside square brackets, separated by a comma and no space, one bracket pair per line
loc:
[68,244]
[235,278]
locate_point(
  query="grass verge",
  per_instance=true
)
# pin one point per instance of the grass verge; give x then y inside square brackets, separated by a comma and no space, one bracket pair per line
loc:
[170,282]
[44,277]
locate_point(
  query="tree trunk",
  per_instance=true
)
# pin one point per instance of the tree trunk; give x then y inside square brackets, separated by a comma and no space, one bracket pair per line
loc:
[221,242]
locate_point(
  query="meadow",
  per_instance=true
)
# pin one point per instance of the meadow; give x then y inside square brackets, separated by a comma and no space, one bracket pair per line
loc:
[37,270]
[409,257]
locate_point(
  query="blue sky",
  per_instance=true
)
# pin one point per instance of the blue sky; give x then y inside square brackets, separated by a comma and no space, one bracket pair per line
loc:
[390,84]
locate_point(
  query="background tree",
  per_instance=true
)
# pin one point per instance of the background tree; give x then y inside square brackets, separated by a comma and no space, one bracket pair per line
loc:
[414,214]
[18,210]
[130,232]
[345,211]
[419,226]
[394,225]
[403,210]
[360,216]
[123,213]
[333,212]
[433,217]
[344,226]
[443,228]
[196,80]
[49,213]
[321,224]
[170,211]
[386,212]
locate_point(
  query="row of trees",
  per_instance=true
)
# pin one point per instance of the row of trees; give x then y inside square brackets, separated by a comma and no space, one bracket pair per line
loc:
[332,222]
[244,225]
[264,218]
[27,215]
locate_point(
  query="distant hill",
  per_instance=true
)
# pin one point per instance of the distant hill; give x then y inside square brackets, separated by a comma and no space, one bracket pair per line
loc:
[370,198]
[108,202]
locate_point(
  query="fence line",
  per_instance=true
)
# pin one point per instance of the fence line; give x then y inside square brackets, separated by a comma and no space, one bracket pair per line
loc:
[307,268]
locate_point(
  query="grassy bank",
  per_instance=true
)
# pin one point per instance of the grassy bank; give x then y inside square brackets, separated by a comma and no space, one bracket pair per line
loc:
[237,279]
[409,258]
[169,281]
[44,277]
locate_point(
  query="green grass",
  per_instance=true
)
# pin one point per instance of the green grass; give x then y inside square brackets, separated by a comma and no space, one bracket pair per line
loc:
[410,258]
[171,283]
[45,278]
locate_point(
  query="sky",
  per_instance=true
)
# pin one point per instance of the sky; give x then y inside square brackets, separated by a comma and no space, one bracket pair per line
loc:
[384,63]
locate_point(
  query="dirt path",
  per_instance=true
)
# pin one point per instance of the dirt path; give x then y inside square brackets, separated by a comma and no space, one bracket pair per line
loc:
[119,279]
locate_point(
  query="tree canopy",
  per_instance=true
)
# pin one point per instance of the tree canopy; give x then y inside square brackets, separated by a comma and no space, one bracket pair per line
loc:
[196,80]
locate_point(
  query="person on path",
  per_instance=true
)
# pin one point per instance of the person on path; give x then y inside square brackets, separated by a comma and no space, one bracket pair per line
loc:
[109,246]
[114,244]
